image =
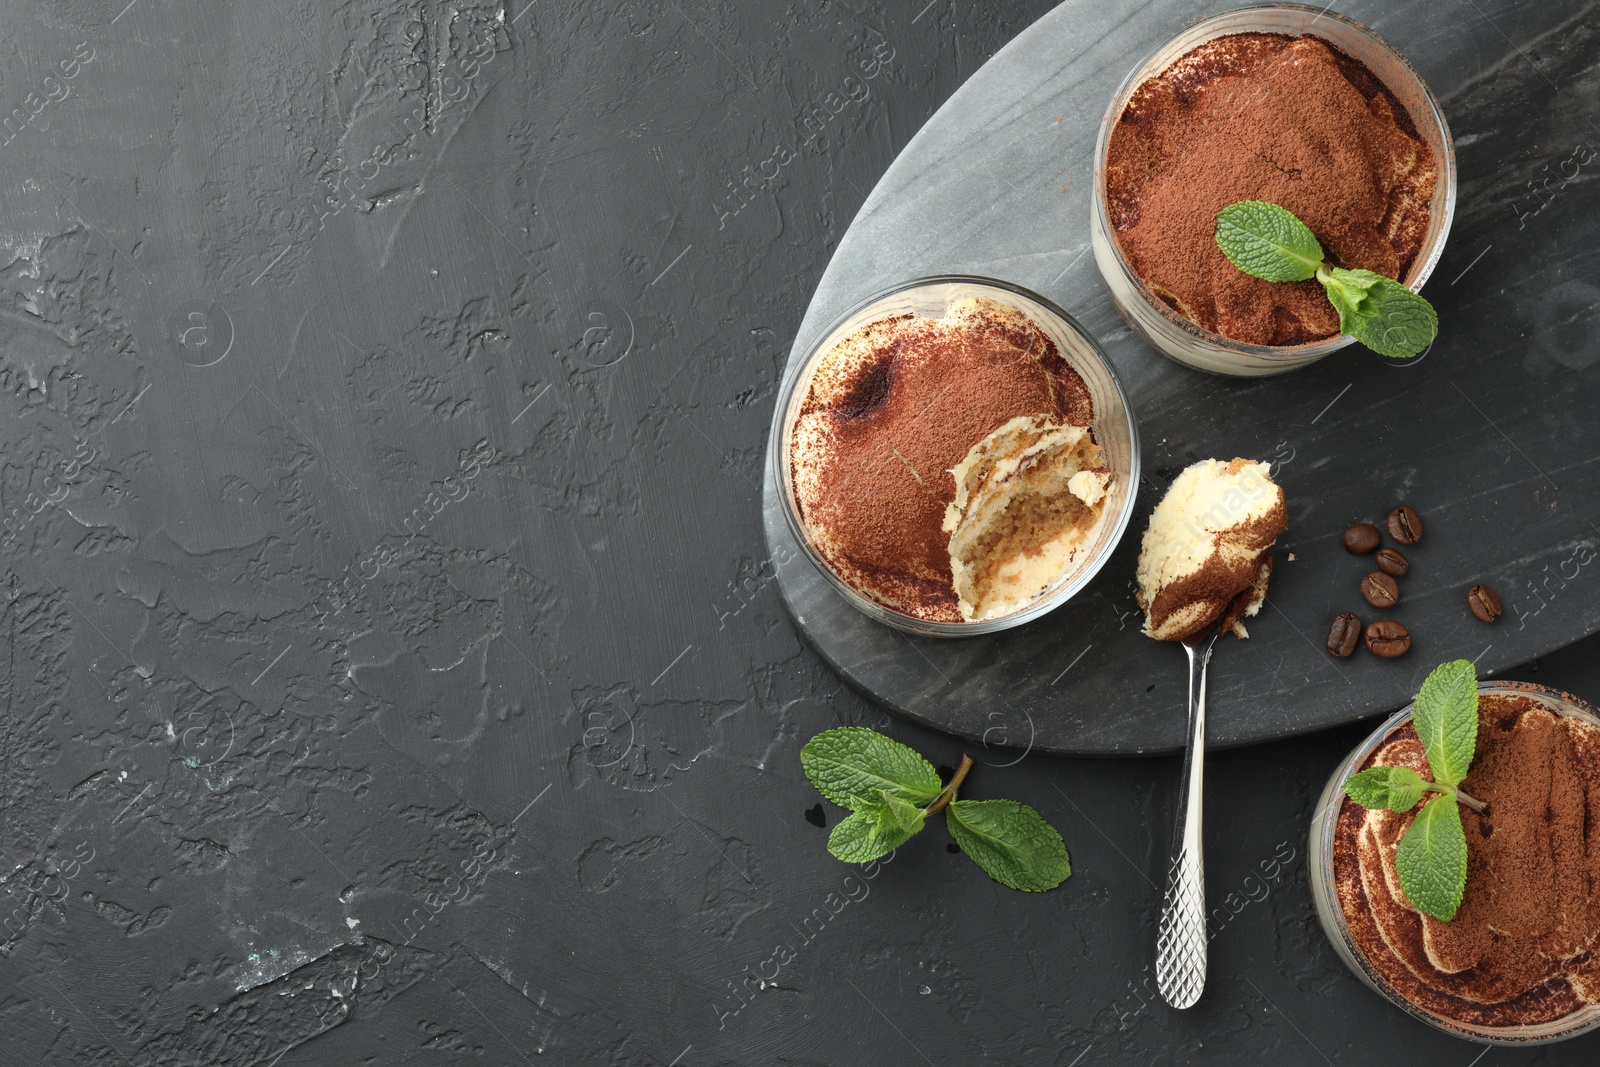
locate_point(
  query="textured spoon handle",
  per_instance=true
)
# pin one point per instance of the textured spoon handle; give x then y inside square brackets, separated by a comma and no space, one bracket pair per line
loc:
[1181,943]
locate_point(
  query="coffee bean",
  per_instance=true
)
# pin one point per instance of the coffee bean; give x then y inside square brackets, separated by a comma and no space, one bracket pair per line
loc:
[1388,639]
[1344,634]
[1392,563]
[1405,525]
[1361,538]
[1379,590]
[1484,602]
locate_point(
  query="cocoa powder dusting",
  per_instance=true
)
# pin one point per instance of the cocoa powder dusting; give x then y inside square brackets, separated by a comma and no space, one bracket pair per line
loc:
[885,420]
[1522,947]
[1289,120]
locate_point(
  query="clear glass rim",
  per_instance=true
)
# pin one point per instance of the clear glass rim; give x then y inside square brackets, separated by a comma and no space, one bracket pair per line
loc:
[1421,269]
[1321,879]
[777,452]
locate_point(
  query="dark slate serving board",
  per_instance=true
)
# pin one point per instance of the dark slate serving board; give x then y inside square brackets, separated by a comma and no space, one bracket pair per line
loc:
[1491,435]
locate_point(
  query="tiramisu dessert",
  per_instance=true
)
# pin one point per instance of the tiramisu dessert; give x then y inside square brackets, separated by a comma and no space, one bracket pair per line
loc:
[1292,121]
[1523,948]
[1204,561]
[1027,497]
[944,466]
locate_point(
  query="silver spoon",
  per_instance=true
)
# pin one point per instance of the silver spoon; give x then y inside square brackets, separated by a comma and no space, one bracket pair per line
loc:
[1181,944]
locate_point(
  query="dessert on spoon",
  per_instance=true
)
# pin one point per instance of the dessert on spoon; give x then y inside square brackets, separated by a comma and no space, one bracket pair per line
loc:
[1203,570]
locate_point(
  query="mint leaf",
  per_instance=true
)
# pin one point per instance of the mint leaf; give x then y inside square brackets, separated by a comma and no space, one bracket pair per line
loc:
[877,828]
[1446,719]
[1431,859]
[1395,788]
[1347,291]
[853,761]
[1268,242]
[859,838]
[895,815]
[1010,841]
[1389,319]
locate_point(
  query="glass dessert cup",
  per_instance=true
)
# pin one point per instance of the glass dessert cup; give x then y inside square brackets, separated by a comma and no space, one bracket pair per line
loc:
[1324,892]
[1169,332]
[1114,430]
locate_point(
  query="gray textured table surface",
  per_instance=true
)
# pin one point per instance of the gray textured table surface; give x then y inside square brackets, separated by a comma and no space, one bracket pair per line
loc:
[393,674]
[1490,436]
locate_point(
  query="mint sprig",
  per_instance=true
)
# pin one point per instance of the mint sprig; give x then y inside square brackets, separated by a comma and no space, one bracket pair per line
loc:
[1269,242]
[1431,858]
[890,790]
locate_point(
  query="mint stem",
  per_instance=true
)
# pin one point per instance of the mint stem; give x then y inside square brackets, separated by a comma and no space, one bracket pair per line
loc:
[949,792]
[1472,802]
